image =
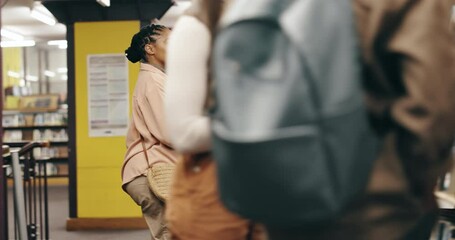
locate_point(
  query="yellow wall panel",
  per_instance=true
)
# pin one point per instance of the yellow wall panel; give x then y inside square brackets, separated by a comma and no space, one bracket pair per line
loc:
[12,61]
[99,160]
[100,195]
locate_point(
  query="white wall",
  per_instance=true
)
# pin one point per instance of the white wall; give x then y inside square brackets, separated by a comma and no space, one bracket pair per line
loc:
[40,59]
[57,60]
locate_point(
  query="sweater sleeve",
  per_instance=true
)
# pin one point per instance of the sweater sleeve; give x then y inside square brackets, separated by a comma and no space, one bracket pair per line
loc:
[187,59]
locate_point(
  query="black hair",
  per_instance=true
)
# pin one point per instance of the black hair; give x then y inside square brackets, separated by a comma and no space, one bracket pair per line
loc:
[145,36]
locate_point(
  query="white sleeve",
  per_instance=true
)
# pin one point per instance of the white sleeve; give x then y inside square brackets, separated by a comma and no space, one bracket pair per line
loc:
[187,55]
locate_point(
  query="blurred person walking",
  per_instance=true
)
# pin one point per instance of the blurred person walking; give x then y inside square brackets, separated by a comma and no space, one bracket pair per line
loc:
[408,79]
[194,210]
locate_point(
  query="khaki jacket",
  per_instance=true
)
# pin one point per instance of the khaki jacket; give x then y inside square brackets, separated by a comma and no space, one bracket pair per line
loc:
[409,74]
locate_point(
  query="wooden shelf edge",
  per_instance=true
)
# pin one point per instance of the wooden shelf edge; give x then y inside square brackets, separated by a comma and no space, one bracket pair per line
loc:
[79,224]
[10,111]
[60,181]
[25,142]
[19,144]
[34,127]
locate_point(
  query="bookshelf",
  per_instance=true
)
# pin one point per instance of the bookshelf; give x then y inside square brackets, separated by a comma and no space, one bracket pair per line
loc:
[21,127]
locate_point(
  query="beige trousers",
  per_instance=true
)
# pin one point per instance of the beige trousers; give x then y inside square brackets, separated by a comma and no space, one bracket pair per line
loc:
[152,207]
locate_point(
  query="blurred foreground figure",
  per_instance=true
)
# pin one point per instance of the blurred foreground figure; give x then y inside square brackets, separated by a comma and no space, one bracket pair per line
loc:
[408,76]
[194,211]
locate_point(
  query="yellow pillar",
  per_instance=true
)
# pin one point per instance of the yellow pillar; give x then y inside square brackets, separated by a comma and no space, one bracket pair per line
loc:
[12,61]
[12,66]
[99,160]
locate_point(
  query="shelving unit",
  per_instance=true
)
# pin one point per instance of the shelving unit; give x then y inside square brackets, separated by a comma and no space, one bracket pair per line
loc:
[21,127]
[21,143]
[35,127]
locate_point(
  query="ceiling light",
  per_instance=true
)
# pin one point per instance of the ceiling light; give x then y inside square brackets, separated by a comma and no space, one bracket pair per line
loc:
[11,35]
[49,20]
[104,3]
[13,74]
[62,44]
[57,42]
[25,43]
[62,70]
[49,73]
[31,78]
[64,77]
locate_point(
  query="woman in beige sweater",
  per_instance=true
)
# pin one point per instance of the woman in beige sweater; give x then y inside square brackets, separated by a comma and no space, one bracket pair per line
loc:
[147,125]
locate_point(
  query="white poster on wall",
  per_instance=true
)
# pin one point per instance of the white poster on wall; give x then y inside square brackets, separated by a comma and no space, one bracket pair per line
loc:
[108,94]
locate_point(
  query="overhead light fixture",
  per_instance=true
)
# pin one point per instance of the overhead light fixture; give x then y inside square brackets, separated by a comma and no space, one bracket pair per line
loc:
[62,44]
[104,3]
[57,42]
[49,20]
[11,35]
[31,78]
[62,70]
[49,73]
[24,43]
[64,77]
[13,74]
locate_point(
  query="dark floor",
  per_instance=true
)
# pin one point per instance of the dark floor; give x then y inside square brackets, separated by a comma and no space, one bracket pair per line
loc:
[58,214]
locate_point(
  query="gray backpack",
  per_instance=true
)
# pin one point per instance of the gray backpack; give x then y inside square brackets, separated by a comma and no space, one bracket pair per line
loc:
[291,137]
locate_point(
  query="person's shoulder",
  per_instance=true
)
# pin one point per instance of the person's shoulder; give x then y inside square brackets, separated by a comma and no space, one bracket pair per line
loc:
[189,24]
[154,81]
